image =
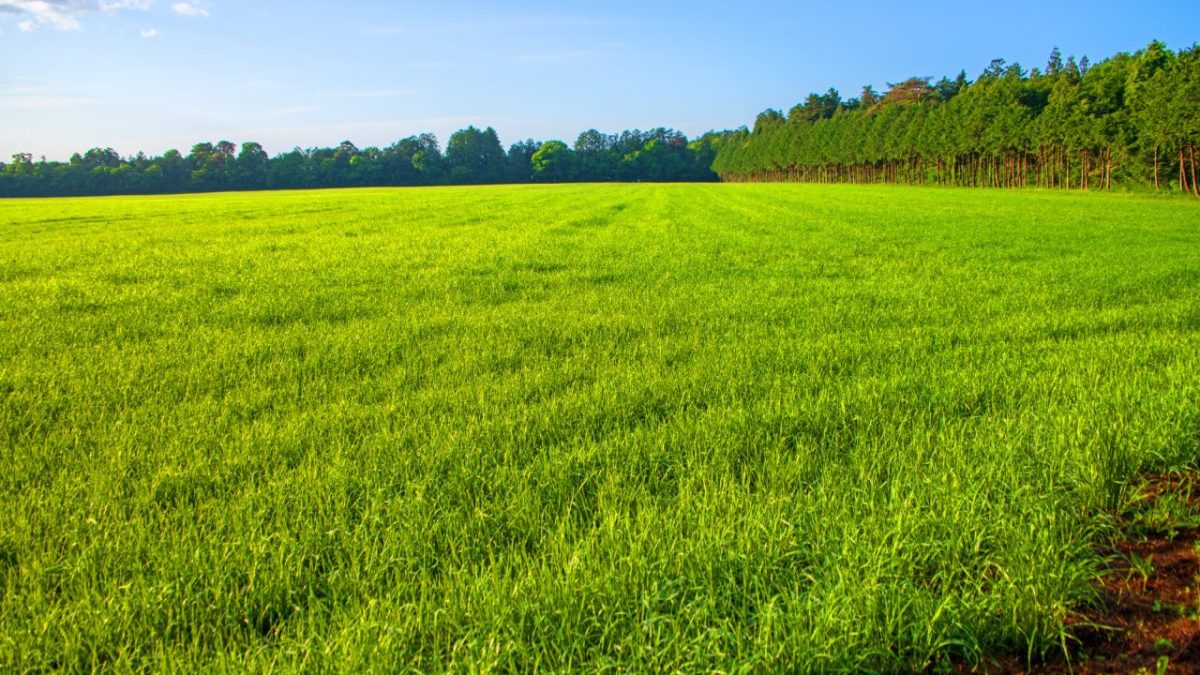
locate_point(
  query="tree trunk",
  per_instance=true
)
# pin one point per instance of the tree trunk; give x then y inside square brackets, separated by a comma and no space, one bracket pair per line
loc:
[1183,184]
[1156,167]
[1107,168]
[1195,187]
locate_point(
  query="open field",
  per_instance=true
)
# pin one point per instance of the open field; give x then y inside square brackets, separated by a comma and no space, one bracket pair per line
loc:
[629,426]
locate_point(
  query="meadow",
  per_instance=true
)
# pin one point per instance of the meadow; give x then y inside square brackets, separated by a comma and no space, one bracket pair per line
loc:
[593,427]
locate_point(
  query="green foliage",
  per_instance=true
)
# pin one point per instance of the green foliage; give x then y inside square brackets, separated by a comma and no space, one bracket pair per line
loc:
[638,427]
[472,156]
[1165,516]
[1142,567]
[520,160]
[1128,121]
[554,162]
[475,156]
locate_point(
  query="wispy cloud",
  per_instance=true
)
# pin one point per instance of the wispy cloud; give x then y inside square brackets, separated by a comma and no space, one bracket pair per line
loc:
[509,24]
[62,14]
[554,58]
[192,9]
[366,131]
[114,5]
[24,89]
[292,110]
[562,21]
[18,100]
[41,97]
[150,33]
[433,65]
[371,93]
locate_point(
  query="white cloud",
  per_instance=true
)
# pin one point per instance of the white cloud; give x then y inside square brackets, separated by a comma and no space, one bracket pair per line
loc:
[41,97]
[526,23]
[372,93]
[62,14]
[191,9]
[24,90]
[552,58]
[45,102]
[150,33]
[115,5]
[433,65]
[293,110]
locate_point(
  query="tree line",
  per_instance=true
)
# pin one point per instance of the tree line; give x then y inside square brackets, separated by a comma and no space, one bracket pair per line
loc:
[1132,120]
[471,156]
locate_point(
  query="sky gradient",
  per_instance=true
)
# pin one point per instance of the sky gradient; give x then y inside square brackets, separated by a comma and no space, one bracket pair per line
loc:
[156,74]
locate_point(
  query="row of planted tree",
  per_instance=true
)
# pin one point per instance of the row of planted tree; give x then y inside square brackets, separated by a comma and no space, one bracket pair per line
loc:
[1048,168]
[1132,120]
[471,156]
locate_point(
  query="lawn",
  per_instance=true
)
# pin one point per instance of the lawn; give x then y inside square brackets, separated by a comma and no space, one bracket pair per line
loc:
[627,427]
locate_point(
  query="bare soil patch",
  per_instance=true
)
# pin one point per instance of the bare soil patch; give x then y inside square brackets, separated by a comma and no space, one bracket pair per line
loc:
[1149,619]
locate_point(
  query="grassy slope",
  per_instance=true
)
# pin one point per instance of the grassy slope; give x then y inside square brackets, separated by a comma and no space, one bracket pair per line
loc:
[658,426]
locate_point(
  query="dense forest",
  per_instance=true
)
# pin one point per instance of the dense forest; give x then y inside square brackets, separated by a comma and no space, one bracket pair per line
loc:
[471,156]
[1131,121]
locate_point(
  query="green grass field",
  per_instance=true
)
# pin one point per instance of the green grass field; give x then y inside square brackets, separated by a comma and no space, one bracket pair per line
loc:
[627,427]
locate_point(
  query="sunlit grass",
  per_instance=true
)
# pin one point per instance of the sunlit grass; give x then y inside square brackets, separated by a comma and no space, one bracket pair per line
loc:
[639,427]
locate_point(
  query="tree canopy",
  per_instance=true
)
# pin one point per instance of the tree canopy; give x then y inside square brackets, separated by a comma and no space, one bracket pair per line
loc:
[1133,119]
[472,156]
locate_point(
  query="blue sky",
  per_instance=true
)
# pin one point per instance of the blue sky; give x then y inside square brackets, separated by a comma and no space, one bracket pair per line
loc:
[155,74]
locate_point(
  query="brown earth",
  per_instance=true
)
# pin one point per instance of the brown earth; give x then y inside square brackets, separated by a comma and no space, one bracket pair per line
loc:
[1150,618]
